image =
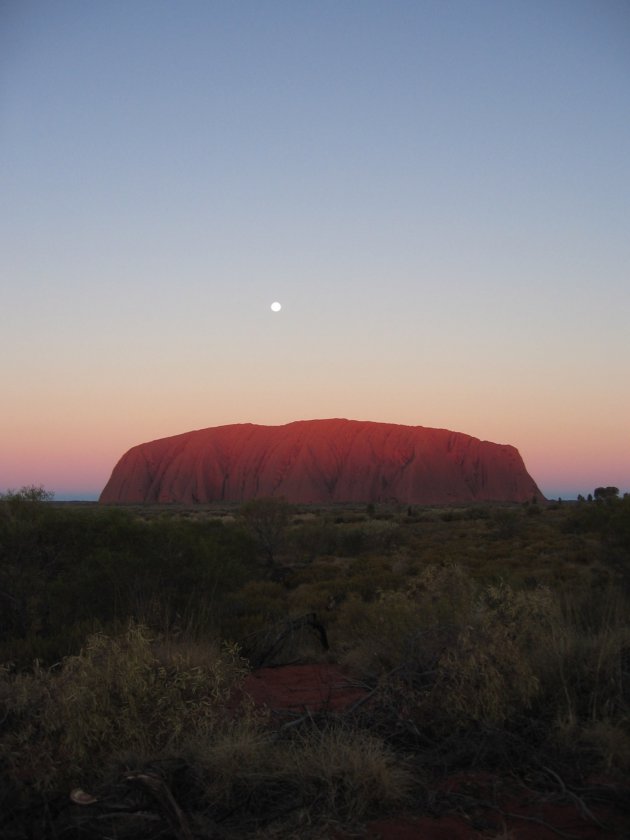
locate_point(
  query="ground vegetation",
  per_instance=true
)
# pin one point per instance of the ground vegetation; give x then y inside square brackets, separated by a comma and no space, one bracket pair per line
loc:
[483,639]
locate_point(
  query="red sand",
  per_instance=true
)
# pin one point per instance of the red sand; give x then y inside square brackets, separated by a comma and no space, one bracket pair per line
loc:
[302,688]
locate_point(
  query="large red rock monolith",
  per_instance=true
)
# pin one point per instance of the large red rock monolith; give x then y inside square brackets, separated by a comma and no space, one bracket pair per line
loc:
[321,461]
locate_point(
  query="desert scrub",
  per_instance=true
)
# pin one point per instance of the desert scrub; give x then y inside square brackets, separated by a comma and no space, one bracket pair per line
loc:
[231,761]
[251,778]
[444,592]
[383,633]
[608,743]
[114,697]
[312,539]
[483,677]
[372,637]
[350,772]
[253,610]
[449,652]
[584,669]
[486,674]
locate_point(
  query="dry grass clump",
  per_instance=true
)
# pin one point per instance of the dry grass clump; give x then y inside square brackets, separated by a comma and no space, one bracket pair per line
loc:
[584,670]
[507,661]
[332,773]
[445,592]
[233,759]
[451,650]
[473,642]
[587,670]
[351,772]
[371,635]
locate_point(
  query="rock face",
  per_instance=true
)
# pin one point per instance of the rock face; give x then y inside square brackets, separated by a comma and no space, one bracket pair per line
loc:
[321,461]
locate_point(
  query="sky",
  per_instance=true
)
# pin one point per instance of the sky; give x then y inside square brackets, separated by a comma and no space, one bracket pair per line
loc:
[437,192]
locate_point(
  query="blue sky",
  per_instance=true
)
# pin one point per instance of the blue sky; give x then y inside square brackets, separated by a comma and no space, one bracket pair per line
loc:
[437,192]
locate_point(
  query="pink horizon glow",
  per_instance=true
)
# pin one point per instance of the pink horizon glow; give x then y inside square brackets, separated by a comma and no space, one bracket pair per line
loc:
[82,463]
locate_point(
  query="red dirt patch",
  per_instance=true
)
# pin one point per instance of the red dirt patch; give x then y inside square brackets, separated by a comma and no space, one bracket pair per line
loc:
[302,688]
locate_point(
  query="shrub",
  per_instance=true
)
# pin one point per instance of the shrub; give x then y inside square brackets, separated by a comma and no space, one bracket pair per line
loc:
[114,697]
[444,592]
[476,668]
[583,664]
[266,519]
[314,539]
[373,636]
[483,677]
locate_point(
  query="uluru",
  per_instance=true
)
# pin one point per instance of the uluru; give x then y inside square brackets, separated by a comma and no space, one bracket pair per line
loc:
[321,461]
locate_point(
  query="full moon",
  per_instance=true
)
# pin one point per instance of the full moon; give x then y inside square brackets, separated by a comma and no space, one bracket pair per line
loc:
[275,306]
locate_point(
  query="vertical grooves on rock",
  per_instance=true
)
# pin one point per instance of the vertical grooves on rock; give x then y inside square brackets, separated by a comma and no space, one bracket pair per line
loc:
[321,461]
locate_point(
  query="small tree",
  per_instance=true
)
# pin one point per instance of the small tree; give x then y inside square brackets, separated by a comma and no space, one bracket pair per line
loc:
[266,519]
[606,493]
[28,493]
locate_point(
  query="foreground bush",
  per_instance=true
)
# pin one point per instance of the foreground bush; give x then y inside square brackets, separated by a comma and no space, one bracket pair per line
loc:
[131,718]
[114,698]
[450,656]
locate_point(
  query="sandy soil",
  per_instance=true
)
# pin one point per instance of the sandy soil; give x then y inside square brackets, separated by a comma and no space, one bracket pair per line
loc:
[303,688]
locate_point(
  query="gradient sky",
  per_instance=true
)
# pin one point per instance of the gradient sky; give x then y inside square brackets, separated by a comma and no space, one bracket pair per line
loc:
[438,193]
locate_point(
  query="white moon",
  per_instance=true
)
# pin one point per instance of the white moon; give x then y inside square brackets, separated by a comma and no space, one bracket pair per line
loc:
[275,306]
